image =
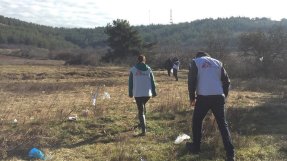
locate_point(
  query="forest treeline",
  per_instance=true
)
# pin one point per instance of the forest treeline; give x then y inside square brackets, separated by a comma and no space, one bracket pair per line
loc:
[248,47]
[195,34]
[18,32]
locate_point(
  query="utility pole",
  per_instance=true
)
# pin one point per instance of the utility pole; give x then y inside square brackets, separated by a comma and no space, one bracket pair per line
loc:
[171,22]
[149,17]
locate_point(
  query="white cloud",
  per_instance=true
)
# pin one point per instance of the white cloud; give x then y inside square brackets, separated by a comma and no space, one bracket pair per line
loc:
[92,13]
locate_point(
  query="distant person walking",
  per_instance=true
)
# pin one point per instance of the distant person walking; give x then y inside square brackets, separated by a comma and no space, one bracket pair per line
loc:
[175,67]
[141,87]
[209,80]
[168,66]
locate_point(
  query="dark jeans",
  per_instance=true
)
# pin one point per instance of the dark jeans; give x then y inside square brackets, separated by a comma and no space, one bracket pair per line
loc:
[175,74]
[202,106]
[141,101]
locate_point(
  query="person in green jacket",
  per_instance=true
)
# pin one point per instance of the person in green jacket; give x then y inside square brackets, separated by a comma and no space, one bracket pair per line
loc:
[141,87]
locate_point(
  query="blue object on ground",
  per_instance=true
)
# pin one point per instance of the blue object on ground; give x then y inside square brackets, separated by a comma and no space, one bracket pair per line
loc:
[36,153]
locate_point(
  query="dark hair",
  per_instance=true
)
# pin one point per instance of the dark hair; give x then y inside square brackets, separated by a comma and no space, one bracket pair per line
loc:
[141,58]
[201,54]
[175,59]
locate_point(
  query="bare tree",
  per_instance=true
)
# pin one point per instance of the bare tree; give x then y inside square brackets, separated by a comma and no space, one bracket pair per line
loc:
[266,47]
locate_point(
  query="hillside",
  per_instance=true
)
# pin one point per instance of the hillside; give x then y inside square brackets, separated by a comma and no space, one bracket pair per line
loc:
[192,34]
[18,32]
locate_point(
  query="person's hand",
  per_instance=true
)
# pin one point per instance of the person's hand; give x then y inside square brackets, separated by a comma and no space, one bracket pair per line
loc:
[192,103]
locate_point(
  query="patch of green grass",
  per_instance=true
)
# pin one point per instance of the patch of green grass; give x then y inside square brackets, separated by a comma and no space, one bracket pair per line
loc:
[161,116]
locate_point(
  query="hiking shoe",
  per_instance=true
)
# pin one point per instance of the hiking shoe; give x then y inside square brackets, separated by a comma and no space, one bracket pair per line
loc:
[192,148]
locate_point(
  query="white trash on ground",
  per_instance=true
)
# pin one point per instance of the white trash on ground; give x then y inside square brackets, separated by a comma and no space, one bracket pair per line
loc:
[106,95]
[181,138]
[94,96]
[94,101]
[73,117]
[15,121]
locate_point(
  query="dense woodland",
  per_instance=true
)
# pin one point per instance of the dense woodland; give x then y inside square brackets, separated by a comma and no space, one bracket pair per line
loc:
[259,37]
[190,34]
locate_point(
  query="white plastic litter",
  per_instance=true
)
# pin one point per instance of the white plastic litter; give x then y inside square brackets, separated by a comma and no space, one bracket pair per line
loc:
[181,138]
[73,118]
[15,121]
[94,96]
[94,100]
[106,95]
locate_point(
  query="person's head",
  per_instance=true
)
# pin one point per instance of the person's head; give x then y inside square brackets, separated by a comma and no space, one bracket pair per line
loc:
[201,54]
[141,59]
[175,59]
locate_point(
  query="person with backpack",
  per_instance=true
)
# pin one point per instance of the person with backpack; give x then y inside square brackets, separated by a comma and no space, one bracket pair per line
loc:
[208,86]
[141,87]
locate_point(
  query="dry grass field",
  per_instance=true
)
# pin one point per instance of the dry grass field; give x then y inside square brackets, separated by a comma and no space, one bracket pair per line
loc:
[42,97]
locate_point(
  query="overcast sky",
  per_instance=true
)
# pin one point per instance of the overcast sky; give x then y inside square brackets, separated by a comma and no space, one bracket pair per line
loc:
[96,13]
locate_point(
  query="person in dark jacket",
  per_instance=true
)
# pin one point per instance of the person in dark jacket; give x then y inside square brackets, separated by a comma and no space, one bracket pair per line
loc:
[168,66]
[175,67]
[208,86]
[141,87]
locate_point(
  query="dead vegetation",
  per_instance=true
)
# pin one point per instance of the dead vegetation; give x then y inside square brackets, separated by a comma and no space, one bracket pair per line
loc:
[41,98]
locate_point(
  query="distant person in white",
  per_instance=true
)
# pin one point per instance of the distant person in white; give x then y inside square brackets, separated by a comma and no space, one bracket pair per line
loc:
[175,67]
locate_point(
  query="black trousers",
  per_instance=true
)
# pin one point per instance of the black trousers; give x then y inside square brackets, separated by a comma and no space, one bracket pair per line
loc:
[202,106]
[141,102]
[175,74]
